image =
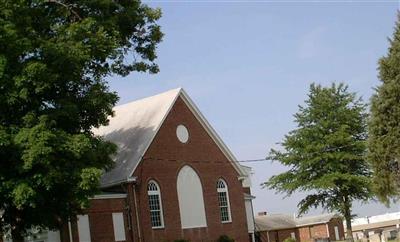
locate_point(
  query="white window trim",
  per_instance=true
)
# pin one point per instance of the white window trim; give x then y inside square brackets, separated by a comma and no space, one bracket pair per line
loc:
[182,133]
[337,236]
[191,199]
[83,224]
[226,190]
[119,226]
[158,192]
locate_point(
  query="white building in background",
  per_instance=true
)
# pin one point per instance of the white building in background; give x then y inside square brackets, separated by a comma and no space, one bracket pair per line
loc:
[248,198]
[377,228]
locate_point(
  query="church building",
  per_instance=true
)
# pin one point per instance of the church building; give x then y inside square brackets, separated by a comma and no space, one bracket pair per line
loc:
[174,179]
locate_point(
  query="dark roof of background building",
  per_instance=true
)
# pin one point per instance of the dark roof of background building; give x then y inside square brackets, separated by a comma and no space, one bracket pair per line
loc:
[270,222]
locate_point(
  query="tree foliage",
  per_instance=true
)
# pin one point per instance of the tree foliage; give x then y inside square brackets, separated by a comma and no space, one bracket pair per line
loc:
[225,238]
[384,123]
[54,58]
[326,152]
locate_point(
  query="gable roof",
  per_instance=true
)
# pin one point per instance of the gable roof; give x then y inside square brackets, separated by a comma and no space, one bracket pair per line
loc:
[274,222]
[283,221]
[134,126]
[316,219]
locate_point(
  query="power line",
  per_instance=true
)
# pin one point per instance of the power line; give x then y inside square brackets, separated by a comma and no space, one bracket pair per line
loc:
[205,161]
[246,161]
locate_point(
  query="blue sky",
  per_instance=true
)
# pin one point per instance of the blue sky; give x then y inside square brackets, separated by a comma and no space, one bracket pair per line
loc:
[248,65]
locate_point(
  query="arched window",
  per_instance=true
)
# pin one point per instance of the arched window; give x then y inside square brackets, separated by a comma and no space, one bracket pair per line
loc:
[223,201]
[155,205]
[190,197]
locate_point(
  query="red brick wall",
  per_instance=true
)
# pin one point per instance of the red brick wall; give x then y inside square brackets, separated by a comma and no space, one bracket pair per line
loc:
[305,233]
[271,235]
[100,221]
[100,218]
[198,149]
[247,190]
[309,233]
[339,223]
[278,235]
[319,231]
[286,233]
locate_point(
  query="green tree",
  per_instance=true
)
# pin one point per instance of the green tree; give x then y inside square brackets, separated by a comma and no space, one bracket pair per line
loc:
[384,124]
[289,239]
[326,153]
[54,58]
[225,238]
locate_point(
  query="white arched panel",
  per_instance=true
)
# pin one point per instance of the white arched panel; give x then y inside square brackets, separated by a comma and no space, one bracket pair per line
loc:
[190,197]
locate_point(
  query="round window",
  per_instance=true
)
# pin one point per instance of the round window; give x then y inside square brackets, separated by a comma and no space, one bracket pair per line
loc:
[182,133]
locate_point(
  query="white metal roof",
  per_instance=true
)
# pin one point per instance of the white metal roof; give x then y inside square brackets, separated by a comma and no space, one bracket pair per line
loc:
[134,126]
[132,129]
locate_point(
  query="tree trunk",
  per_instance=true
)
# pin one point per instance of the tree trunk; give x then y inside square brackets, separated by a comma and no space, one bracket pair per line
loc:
[349,231]
[1,228]
[16,235]
[347,217]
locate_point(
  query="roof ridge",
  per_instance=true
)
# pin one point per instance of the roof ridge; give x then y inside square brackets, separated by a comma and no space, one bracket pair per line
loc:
[178,90]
